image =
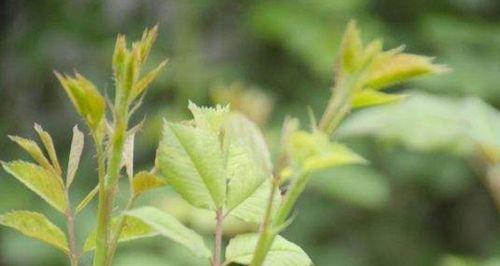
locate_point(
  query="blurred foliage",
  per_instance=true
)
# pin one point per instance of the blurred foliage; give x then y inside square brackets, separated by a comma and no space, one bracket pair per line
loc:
[421,201]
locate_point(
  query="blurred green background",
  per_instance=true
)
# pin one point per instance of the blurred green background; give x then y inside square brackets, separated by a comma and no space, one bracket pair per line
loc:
[421,201]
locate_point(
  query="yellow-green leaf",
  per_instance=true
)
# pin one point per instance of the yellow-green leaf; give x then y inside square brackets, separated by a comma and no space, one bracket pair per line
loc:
[391,68]
[145,181]
[314,151]
[133,228]
[141,85]
[282,252]
[37,226]
[49,146]
[88,101]
[367,97]
[351,48]
[43,182]
[33,150]
[90,196]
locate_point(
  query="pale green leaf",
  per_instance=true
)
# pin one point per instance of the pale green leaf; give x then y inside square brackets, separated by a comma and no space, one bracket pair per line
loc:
[41,181]
[314,151]
[209,118]
[253,208]
[170,227]
[357,185]
[237,126]
[37,226]
[133,228]
[49,146]
[244,175]
[90,196]
[282,252]
[367,97]
[74,155]
[191,160]
[145,181]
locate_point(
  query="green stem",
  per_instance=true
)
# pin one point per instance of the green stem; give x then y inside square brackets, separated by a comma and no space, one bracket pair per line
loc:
[116,235]
[267,236]
[101,234]
[111,185]
[262,246]
[338,107]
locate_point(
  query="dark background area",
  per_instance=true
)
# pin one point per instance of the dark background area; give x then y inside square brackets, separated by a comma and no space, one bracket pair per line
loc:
[421,201]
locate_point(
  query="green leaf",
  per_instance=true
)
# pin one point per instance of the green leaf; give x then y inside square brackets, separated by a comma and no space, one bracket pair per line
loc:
[483,127]
[394,67]
[313,151]
[367,97]
[145,181]
[191,160]
[49,146]
[33,150]
[170,227]
[37,226]
[423,123]
[357,185]
[90,196]
[41,181]
[74,155]
[208,118]
[244,175]
[88,101]
[282,252]
[133,228]
[144,82]
[239,127]
[351,48]
[253,208]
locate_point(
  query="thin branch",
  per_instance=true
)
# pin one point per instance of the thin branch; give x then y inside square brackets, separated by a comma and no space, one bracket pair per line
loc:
[219,218]
[73,254]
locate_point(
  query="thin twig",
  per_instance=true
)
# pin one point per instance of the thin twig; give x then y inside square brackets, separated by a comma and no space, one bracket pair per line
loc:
[70,222]
[219,218]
